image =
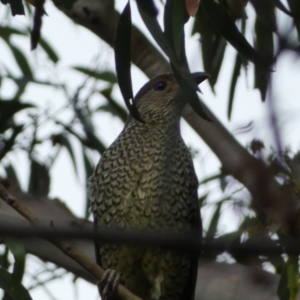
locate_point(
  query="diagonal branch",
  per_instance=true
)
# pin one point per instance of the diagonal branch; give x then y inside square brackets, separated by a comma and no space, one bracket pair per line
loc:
[64,246]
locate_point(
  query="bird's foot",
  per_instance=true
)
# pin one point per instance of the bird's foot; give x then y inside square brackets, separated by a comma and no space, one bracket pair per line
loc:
[108,284]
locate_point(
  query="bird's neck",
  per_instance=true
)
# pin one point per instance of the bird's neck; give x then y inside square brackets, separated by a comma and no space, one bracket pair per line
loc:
[163,127]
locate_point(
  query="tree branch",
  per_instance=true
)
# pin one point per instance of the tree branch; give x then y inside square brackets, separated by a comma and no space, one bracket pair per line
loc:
[230,279]
[67,248]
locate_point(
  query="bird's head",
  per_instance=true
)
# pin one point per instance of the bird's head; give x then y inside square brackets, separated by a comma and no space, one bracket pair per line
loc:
[160,98]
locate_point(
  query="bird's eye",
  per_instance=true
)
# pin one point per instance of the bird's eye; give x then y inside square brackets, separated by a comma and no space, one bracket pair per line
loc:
[160,86]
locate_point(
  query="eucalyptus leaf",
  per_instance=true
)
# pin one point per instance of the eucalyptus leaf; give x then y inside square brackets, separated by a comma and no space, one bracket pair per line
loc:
[227,28]
[123,60]
[105,75]
[19,253]
[234,79]
[15,292]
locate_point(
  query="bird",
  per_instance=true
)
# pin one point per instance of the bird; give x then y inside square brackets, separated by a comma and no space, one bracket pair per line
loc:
[146,180]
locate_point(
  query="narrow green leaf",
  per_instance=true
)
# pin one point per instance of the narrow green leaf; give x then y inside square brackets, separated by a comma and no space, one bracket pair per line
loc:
[105,76]
[16,6]
[281,7]
[265,47]
[62,140]
[211,178]
[37,23]
[265,12]
[15,292]
[149,7]
[39,180]
[175,16]
[209,42]
[225,25]
[282,289]
[7,144]
[295,10]
[123,60]
[293,276]
[11,174]
[53,56]
[234,78]
[19,253]
[89,169]
[112,106]
[8,108]
[183,76]
[156,32]
[6,32]
[21,61]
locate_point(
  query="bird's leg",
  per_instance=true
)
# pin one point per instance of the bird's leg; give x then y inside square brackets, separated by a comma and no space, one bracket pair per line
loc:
[108,283]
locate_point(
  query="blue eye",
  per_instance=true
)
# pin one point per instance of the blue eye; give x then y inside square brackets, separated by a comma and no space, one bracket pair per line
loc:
[160,86]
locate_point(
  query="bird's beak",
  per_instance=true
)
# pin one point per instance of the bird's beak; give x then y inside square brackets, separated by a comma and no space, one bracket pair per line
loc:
[199,77]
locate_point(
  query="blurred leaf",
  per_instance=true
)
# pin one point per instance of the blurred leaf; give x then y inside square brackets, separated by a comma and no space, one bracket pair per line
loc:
[235,75]
[6,32]
[265,47]
[148,6]
[223,182]
[112,106]
[53,56]
[39,180]
[105,76]
[295,10]
[123,60]
[175,16]
[265,11]
[11,174]
[4,261]
[213,226]
[91,141]
[202,198]
[211,178]
[37,23]
[89,169]
[281,7]
[212,44]
[7,144]
[283,290]
[8,108]
[225,25]
[62,140]
[15,292]
[18,251]
[293,276]
[16,6]
[21,61]
[82,115]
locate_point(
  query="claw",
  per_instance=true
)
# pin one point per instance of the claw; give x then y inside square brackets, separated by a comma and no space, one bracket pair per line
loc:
[108,284]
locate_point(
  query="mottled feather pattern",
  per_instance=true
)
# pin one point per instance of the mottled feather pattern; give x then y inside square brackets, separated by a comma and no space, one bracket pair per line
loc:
[146,180]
